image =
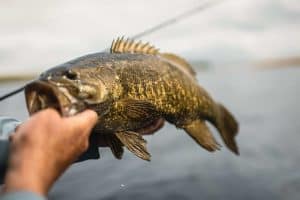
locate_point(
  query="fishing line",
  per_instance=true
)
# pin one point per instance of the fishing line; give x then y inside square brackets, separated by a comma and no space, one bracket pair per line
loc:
[176,19]
[12,93]
[15,91]
[162,25]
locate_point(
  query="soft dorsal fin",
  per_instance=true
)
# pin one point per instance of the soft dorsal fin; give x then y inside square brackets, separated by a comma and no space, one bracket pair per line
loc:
[180,62]
[121,45]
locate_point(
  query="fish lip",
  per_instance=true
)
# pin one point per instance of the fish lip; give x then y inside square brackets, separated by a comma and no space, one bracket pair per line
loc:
[43,94]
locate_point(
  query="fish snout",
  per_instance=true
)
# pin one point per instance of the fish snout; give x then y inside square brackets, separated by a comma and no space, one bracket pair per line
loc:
[40,95]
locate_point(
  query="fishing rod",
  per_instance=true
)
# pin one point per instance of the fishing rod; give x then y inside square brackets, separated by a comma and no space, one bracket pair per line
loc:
[168,22]
[176,19]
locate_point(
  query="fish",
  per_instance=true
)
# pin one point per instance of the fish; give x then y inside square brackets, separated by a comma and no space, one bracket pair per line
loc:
[131,87]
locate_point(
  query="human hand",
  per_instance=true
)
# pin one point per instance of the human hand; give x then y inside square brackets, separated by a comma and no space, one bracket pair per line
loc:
[43,147]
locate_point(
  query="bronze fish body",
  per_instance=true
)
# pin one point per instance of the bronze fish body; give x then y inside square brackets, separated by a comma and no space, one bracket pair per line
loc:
[130,88]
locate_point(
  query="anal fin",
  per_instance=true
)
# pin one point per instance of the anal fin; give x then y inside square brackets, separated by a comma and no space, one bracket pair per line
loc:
[199,131]
[135,143]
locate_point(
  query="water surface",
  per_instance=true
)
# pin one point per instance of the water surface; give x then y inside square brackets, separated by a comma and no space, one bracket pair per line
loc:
[266,103]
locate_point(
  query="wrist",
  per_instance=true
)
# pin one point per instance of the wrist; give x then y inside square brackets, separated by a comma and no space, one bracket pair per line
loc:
[26,173]
[19,179]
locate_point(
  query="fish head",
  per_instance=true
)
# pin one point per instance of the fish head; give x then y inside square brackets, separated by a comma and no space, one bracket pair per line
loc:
[68,90]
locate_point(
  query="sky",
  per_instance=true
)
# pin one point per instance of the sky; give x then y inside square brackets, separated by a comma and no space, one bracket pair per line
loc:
[36,35]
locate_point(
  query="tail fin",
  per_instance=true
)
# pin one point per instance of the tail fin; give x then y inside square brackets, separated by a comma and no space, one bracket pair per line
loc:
[228,128]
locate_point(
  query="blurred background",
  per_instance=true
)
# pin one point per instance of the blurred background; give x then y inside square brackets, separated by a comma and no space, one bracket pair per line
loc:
[247,55]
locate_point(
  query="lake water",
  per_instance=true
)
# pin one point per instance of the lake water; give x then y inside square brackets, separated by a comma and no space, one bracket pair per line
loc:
[266,104]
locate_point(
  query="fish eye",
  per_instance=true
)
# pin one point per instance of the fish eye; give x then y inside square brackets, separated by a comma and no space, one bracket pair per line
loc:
[71,75]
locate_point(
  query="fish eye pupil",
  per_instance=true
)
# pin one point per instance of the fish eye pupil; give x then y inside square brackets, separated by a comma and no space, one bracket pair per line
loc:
[71,75]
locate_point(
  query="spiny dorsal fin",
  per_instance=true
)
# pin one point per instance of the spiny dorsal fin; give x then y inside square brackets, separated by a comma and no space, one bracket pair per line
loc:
[180,62]
[121,45]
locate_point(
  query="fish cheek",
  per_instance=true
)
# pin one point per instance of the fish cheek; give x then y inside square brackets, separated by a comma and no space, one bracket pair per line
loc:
[94,94]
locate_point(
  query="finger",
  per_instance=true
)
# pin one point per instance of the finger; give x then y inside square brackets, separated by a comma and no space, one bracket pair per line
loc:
[11,137]
[17,128]
[83,121]
[49,112]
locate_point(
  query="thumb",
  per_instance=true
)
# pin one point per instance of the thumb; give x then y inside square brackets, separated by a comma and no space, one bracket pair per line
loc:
[83,121]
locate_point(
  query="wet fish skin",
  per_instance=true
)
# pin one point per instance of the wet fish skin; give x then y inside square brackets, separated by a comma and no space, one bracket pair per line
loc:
[131,90]
[139,77]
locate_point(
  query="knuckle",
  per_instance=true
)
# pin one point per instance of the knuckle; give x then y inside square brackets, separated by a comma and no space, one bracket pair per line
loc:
[50,113]
[78,129]
[53,113]
[12,137]
[85,146]
[24,138]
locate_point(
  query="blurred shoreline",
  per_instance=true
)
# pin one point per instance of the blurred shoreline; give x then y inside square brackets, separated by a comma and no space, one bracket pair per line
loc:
[15,78]
[199,65]
[279,62]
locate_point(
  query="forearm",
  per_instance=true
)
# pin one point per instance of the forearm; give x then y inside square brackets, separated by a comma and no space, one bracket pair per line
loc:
[7,127]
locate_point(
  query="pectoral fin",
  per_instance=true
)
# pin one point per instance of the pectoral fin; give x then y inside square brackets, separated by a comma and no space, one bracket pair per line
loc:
[135,143]
[199,131]
[136,109]
[115,145]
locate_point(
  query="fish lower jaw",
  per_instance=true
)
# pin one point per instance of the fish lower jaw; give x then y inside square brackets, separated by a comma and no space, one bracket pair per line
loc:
[41,95]
[43,102]
[40,102]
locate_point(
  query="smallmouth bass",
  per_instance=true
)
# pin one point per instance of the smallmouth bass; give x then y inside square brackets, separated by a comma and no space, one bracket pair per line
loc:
[130,88]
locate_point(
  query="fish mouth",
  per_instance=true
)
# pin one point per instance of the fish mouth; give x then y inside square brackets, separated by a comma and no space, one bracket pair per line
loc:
[41,95]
